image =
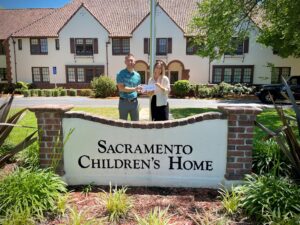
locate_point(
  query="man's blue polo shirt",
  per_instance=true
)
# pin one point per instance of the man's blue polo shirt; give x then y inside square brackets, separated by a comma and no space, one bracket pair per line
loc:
[129,79]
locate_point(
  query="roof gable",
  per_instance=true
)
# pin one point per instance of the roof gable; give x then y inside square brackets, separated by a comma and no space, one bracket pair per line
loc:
[81,6]
[13,20]
[118,17]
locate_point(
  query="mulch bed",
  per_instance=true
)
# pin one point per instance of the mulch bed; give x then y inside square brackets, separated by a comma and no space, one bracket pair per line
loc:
[187,206]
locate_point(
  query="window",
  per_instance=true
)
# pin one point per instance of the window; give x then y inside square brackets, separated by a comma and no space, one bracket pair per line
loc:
[40,74]
[191,49]
[83,74]
[84,46]
[57,44]
[173,76]
[20,44]
[233,74]
[278,73]
[120,46]
[2,48]
[241,47]
[2,73]
[163,46]
[38,46]
[143,77]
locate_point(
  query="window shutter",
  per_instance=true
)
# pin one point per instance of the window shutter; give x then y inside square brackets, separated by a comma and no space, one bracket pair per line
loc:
[157,46]
[146,45]
[95,45]
[72,45]
[169,45]
[246,45]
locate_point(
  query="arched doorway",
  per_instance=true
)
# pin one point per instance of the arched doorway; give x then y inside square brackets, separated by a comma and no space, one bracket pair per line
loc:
[143,69]
[176,71]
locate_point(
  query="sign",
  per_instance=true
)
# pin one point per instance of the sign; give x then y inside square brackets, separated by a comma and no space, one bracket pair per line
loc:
[54,70]
[193,155]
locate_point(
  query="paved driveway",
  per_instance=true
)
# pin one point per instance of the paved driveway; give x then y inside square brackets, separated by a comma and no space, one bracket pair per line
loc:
[20,101]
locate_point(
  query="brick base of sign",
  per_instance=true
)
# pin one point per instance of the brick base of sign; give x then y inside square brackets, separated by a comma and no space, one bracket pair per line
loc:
[239,141]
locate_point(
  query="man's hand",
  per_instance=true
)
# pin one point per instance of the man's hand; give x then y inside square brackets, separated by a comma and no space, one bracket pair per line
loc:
[139,88]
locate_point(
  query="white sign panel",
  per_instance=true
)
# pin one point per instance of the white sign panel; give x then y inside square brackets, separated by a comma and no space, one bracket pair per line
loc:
[192,155]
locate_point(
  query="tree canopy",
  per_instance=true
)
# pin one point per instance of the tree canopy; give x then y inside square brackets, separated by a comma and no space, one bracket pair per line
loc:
[276,22]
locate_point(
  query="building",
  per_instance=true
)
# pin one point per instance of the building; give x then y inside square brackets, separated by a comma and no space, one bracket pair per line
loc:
[69,46]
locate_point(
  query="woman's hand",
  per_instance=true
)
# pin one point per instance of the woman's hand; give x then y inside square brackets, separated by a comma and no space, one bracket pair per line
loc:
[160,86]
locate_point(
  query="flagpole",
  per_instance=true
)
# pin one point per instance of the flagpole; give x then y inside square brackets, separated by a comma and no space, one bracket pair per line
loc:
[152,35]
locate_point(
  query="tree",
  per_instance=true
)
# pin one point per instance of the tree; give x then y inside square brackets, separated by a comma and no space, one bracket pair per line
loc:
[276,22]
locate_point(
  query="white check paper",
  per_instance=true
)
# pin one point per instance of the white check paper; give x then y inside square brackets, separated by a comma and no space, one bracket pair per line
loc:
[148,88]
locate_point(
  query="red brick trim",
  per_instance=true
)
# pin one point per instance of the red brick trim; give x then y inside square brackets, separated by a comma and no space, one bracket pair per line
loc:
[240,140]
[8,61]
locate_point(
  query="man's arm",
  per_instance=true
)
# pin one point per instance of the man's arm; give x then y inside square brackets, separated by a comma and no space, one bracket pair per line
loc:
[122,88]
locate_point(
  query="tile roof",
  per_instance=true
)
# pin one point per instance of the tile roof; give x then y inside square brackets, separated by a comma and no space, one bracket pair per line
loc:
[119,17]
[13,20]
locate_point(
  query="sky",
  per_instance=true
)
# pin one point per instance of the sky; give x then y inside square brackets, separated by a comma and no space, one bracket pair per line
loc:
[17,4]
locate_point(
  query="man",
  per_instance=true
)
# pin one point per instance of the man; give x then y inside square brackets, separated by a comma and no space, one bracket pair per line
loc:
[128,81]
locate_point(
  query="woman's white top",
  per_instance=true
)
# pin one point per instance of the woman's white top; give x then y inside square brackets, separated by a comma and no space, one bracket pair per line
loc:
[161,95]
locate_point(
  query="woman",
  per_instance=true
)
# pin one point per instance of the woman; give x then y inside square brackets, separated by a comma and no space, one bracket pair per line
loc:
[159,97]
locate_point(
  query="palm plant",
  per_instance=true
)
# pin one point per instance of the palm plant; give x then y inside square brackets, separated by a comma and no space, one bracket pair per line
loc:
[7,123]
[285,136]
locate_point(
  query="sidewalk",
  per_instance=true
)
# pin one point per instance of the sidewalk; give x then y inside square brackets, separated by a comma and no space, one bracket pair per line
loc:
[144,114]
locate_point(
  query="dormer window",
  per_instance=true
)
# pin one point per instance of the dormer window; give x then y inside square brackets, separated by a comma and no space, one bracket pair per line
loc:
[242,47]
[84,46]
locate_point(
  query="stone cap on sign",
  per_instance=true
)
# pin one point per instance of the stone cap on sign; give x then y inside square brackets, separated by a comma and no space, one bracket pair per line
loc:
[145,124]
[240,109]
[51,108]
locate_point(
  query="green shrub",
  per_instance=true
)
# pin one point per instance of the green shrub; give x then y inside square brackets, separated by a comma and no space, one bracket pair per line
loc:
[48,92]
[72,92]
[155,217]
[40,93]
[16,217]
[76,217]
[103,87]
[22,85]
[63,93]
[7,88]
[36,191]
[230,200]
[262,196]
[6,147]
[240,89]
[33,92]
[30,157]
[85,92]
[26,93]
[18,91]
[223,89]
[55,92]
[181,88]
[204,92]
[268,158]
[117,203]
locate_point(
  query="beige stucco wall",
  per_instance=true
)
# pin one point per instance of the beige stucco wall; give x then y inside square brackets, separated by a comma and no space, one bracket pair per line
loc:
[89,28]
[259,56]
[2,61]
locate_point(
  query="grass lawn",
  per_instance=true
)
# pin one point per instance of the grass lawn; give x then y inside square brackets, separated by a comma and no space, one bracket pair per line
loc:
[268,117]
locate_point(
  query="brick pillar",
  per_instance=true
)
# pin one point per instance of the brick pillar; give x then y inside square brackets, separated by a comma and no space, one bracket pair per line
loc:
[240,140]
[49,119]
